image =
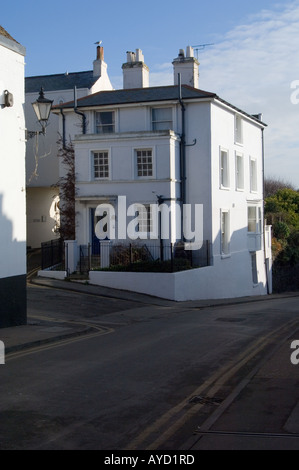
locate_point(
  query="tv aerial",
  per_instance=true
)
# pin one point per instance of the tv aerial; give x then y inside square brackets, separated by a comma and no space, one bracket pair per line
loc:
[200,47]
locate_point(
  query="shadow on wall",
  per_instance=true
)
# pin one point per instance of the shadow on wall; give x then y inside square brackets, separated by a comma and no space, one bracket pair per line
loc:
[13,301]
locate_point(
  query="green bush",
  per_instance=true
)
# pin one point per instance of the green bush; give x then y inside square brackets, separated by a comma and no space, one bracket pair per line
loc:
[281,230]
[152,266]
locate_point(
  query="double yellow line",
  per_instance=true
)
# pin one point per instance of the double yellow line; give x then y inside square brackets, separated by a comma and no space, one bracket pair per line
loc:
[99,331]
[170,422]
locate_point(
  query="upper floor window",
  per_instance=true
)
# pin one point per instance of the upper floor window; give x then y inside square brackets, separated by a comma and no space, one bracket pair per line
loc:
[101,165]
[238,129]
[253,175]
[105,122]
[225,237]
[254,219]
[161,119]
[144,163]
[224,169]
[239,171]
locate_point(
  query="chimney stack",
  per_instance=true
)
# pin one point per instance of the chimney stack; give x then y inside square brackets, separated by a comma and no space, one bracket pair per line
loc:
[99,66]
[187,66]
[135,72]
[100,75]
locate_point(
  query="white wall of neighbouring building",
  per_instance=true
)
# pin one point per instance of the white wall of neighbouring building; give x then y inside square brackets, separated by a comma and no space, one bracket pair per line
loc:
[12,185]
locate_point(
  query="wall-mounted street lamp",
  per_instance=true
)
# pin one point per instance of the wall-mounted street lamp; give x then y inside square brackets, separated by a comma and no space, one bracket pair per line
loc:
[42,108]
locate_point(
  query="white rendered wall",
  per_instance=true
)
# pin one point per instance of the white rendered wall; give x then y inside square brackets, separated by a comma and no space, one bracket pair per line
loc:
[238,261]
[123,180]
[41,215]
[213,282]
[41,153]
[12,163]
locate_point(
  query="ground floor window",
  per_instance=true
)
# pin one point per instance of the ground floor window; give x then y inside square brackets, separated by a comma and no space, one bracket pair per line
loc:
[224,232]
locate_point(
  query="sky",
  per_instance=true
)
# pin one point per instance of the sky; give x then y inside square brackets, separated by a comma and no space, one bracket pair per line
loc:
[248,52]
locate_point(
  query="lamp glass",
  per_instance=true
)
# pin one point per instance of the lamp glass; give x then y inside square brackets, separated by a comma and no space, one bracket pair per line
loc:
[42,107]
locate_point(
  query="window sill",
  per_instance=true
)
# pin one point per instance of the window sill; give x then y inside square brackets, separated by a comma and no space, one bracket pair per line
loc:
[225,188]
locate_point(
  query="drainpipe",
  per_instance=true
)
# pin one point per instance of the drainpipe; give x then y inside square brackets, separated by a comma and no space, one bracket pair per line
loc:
[63,128]
[264,222]
[182,154]
[78,112]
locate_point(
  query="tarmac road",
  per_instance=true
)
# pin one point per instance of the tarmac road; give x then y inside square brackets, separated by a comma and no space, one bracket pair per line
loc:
[102,369]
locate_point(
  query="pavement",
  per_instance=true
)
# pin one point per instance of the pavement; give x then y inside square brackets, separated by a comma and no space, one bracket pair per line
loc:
[271,382]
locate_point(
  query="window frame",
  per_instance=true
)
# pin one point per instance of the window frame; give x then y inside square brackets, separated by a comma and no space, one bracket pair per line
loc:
[239,137]
[253,174]
[93,164]
[224,169]
[225,233]
[144,222]
[254,270]
[240,157]
[156,122]
[257,220]
[112,123]
[136,170]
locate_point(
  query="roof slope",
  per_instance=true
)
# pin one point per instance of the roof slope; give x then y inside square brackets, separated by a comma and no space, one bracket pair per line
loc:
[138,95]
[4,33]
[62,81]
[144,95]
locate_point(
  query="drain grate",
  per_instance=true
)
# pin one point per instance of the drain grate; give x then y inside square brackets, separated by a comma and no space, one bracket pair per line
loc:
[205,400]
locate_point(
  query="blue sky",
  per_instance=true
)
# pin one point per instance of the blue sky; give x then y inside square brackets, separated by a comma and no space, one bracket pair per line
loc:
[252,63]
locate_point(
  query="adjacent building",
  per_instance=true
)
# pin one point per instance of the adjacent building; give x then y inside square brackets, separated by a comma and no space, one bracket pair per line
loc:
[42,163]
[12,183]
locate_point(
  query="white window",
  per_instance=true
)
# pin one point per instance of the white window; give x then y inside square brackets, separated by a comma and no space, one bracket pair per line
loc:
[254,219]
[224,169]
[225,232]
[101,165]
[105,122]
[142,224]
[254,268]
[161,119]
[259,220]
[144,218]
[239,171]
[238,129]
[144,163]
[253,175]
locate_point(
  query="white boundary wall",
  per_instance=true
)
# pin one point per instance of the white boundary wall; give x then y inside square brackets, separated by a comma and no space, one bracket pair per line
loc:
[196,284]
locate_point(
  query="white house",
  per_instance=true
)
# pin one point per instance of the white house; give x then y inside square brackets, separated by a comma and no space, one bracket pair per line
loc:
[12,183]
[42,165]
[180,146]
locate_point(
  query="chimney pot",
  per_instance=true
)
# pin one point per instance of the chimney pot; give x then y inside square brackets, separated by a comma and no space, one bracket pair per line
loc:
[100,53]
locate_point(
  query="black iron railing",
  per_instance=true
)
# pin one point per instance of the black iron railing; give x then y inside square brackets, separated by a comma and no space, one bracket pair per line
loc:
[52,253]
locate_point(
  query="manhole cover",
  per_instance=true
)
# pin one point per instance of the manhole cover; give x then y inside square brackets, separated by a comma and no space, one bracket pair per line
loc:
[205,400]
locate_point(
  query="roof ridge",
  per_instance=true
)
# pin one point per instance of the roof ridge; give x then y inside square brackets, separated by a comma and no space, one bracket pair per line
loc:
[59,74]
